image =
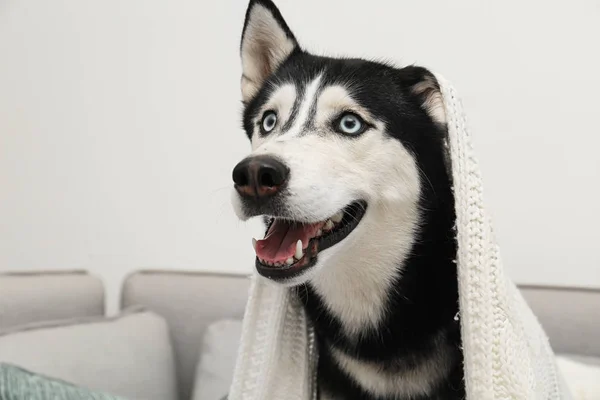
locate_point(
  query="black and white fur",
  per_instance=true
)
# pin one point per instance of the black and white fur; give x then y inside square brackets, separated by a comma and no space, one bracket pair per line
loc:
[384,299]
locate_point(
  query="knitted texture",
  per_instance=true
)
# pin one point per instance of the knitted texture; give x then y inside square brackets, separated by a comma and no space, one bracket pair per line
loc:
[506,352]
[277,353]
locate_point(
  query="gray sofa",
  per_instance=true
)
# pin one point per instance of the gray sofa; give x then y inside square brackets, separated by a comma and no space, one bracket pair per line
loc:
[177,339]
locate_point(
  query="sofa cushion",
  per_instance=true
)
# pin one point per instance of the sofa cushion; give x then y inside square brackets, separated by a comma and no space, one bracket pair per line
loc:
[217,360]
[45,296]
[129,355]
[19,384]
[190,302]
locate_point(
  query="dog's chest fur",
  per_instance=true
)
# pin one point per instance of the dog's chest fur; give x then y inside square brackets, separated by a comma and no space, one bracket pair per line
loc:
[392,362]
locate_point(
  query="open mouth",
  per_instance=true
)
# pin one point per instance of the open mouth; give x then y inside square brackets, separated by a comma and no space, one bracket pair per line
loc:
[291,247]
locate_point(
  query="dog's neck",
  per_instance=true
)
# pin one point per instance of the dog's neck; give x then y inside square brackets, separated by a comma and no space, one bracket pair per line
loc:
[355,281]
[385,303]
[395,277]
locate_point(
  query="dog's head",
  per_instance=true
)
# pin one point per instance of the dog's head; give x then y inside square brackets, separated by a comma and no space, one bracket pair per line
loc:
[336,143]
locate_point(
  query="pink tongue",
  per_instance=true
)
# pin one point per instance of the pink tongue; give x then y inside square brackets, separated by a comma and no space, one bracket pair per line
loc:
[281,239]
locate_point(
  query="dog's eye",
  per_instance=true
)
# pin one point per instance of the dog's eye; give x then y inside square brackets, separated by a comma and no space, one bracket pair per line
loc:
[269,121]
[350,124]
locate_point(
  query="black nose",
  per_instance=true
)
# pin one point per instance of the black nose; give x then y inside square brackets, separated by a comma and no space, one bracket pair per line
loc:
[259,176]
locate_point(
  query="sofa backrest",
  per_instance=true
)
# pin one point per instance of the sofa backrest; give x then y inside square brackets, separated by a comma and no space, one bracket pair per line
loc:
[191,301]
[570,317]
[29,297]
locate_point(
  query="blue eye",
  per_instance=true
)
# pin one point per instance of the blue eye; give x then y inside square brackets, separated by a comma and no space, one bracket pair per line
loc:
[269,121]
[350,124]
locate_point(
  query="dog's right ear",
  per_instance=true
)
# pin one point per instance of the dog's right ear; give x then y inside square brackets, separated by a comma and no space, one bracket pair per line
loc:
[266,43]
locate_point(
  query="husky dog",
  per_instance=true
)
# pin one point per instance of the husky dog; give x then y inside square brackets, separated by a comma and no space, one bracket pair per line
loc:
[349,169]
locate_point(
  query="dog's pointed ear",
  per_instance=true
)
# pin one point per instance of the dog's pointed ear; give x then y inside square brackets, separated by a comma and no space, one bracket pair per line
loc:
[266,43]
[425,86]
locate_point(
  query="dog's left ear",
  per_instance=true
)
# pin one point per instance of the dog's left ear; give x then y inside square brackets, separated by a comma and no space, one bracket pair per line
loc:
[425,86]
[266,43]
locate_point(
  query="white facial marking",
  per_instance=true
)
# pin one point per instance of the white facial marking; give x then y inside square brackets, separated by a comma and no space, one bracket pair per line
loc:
[308,99]
[281,101]
[334,99]
[410,383]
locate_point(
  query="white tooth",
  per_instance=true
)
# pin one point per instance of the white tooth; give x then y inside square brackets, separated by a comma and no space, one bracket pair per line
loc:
[298,253]
[289,261]
[254,243]
[320,232]
[337,218]
[328,225]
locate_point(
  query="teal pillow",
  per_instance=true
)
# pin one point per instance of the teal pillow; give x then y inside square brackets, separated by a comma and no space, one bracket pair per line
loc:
[19,384]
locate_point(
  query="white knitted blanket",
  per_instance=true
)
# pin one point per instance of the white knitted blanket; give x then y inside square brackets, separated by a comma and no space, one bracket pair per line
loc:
[506,352]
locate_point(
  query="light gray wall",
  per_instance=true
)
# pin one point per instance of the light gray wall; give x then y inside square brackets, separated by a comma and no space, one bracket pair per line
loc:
[119,124]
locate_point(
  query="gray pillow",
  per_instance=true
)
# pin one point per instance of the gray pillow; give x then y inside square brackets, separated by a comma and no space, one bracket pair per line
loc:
[217,360]
[129,355]
[19,384]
